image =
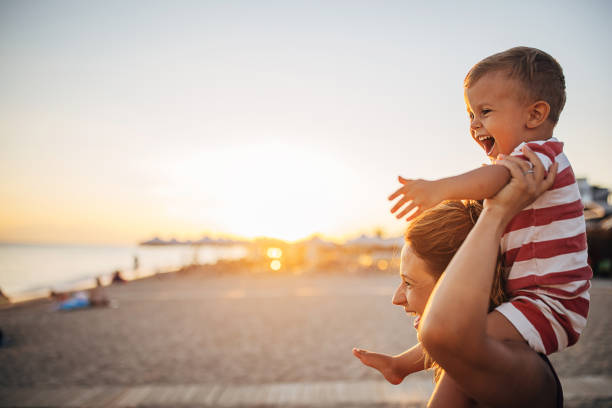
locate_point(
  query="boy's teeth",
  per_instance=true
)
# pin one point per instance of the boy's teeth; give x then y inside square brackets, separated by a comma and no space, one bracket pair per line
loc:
[487,142]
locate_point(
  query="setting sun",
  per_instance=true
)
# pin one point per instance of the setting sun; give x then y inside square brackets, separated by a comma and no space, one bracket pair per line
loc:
[271,189]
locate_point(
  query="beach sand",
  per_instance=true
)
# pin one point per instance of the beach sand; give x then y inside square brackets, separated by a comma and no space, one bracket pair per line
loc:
[194,328]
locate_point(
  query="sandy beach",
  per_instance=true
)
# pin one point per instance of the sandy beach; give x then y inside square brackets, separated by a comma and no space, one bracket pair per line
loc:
[238,330]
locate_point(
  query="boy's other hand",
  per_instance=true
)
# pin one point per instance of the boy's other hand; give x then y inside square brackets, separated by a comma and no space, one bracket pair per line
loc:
[419,194]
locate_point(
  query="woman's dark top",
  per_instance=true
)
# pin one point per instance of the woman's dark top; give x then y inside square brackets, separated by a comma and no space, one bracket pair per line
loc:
[559,389]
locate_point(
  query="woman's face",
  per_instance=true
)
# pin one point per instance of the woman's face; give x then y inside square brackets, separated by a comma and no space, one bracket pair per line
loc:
[416,286]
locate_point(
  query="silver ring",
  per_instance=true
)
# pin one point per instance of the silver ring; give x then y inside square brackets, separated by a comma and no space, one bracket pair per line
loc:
[530,171]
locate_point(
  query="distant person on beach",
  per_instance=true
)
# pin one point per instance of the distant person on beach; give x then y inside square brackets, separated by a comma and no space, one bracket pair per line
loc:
[514,99]
[97,295]
[117,278]
[3,297]
[91,298]
[452,281]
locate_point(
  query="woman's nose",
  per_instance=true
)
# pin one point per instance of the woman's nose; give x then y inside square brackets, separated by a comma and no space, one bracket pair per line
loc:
[399,298]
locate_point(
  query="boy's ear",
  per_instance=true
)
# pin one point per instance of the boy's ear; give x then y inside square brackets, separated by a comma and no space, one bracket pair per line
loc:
[537,114]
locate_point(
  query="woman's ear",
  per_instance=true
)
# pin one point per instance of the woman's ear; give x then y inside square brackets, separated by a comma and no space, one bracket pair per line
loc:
[537,114]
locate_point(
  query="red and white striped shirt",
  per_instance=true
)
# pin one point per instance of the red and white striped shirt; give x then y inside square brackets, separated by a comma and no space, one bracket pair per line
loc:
[545,249]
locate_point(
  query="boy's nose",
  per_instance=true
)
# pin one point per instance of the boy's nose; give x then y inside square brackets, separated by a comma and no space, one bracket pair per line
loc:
[474,123]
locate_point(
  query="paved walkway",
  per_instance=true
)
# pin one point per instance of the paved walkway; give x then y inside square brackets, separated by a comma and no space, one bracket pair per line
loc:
[595,391]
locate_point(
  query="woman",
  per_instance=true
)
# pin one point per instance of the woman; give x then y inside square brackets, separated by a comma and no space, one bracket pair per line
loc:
[453,307]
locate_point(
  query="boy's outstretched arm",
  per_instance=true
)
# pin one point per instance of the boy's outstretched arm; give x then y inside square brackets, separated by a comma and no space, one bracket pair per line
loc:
[477,184]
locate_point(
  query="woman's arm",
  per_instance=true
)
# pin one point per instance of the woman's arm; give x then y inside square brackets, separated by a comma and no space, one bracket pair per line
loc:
[455,317]
[453,328]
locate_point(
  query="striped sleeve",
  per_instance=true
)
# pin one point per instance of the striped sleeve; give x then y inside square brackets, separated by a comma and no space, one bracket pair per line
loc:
[546,150]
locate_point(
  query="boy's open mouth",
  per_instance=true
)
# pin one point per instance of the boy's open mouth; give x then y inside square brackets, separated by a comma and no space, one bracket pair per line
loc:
[487,143]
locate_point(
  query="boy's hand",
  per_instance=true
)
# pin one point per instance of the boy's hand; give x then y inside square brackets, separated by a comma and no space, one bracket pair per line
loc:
[419,193]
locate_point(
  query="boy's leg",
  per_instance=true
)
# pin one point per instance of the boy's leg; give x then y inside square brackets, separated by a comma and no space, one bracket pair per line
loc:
[394,368]
[448,394]
[500,328]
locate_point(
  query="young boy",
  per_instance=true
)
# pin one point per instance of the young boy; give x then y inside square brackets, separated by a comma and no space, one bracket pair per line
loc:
[514,99]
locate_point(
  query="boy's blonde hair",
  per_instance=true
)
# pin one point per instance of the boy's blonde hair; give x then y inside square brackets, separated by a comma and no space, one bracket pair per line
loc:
[539,73]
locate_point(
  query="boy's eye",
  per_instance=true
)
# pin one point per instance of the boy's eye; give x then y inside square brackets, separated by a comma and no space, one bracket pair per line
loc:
[471,115]
[485,111]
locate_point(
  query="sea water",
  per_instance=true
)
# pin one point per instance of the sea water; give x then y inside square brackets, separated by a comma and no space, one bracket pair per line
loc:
[28,270]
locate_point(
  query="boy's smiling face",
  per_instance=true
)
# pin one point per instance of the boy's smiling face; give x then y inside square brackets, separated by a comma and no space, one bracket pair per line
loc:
[498,113]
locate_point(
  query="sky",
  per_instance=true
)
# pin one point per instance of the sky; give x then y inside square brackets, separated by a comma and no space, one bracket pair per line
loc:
[124,120]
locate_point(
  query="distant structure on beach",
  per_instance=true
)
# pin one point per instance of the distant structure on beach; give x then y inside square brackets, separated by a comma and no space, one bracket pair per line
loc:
[594,199]
[203,241]
[316,255]
[598,216]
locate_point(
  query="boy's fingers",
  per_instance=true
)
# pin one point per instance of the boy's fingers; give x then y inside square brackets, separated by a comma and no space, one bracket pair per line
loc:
[406,210]
[396,193]
[402,180]
[397,205]
[414,214]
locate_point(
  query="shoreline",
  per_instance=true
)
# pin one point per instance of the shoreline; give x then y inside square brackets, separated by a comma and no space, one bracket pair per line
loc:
[223,266]
[220,268]
[70,287]
[76,267]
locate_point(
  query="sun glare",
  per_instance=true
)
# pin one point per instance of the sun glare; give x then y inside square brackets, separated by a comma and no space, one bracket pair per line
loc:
[274,253]
[365,260]
[272,189]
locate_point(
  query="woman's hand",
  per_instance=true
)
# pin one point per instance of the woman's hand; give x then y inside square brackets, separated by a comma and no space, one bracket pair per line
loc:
[529,181]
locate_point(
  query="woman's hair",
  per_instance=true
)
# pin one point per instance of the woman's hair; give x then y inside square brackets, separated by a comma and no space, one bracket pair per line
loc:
[436,235]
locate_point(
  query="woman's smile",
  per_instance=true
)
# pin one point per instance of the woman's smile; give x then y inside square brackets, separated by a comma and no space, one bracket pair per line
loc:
[417,319]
